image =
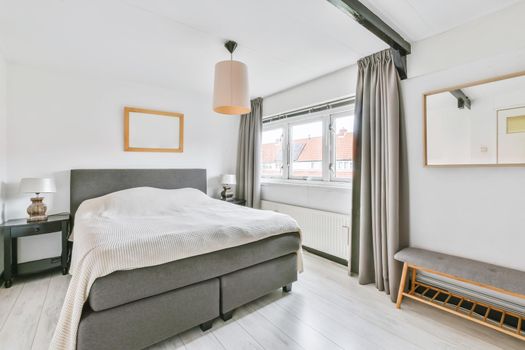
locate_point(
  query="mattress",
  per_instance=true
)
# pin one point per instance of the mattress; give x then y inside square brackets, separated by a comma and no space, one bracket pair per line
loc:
[122,287]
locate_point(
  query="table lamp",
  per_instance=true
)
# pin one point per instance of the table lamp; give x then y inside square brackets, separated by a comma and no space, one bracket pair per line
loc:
[227,180]
[37,208]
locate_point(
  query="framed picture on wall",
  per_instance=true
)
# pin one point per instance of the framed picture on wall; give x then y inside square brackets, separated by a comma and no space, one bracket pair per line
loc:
[511,136]
[147,130]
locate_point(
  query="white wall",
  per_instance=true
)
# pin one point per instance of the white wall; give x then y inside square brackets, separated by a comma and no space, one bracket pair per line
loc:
[60,121]
[3,147]
[332,86]
[3,134]
[340,83]
[500,33]
[474,212]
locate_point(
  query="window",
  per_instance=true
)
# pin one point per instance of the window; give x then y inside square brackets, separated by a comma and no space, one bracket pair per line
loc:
[306,150]
[310,146]
[343,142]
[272,153]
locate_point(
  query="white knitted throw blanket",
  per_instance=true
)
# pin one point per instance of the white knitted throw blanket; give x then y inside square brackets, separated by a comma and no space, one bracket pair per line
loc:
[146,226]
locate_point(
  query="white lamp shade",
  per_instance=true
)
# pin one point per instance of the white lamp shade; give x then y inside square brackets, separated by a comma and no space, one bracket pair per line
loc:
[37,185]
[230,92]
[228,179]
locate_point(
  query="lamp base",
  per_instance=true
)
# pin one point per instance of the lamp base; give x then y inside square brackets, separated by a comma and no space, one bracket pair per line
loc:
[37,210]
[227,193]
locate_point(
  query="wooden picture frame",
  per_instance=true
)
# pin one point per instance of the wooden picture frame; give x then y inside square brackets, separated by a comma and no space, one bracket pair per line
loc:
[135,120]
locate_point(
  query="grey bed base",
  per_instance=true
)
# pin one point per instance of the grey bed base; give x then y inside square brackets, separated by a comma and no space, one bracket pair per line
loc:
[145,319]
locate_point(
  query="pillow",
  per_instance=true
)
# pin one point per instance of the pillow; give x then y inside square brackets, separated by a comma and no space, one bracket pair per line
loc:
[142,201]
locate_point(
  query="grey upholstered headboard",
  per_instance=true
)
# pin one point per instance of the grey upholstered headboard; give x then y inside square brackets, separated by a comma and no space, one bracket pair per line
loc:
[91,183]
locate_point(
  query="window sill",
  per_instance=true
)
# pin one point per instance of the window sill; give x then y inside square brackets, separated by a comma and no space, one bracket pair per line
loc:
[307,183]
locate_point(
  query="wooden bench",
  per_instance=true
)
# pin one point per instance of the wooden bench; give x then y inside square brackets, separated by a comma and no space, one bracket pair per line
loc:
[493,277]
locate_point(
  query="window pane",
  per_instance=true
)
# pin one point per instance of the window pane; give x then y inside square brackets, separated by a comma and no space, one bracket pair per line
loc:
[306,150]
[343,146]
[272,152]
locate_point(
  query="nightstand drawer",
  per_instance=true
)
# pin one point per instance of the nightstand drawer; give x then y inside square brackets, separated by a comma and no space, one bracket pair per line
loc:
[36,229]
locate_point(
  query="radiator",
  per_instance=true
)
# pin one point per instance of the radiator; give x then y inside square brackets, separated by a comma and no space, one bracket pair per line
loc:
[322,230]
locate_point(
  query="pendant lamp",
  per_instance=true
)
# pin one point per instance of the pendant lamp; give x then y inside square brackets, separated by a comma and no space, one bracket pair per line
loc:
[230,91]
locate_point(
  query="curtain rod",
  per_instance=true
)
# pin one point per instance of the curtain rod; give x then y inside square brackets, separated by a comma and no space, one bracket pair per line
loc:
[312,109]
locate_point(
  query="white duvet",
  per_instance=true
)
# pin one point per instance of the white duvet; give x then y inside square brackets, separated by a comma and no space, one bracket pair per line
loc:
[146,226]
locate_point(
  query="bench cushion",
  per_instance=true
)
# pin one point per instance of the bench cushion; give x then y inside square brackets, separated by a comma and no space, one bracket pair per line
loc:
[487,274]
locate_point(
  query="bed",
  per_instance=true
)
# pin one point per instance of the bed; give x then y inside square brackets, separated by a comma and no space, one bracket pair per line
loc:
[135,308]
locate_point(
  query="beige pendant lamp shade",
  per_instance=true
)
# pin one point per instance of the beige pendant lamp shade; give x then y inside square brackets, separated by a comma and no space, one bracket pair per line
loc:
[231,92]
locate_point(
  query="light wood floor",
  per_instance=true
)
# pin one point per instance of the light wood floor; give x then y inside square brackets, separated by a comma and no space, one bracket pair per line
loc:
[326,310]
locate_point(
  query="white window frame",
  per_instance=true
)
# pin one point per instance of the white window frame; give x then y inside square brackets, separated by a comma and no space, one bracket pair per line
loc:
[328,162]
[284,171]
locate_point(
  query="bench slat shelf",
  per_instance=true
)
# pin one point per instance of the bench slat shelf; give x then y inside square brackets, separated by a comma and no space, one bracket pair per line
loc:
[500,325]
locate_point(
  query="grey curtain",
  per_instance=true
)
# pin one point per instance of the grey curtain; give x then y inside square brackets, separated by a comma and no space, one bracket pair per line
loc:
[249,156]
[375,202]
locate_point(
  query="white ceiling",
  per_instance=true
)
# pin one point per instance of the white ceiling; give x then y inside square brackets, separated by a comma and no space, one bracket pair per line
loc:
[420,19]
[175,43]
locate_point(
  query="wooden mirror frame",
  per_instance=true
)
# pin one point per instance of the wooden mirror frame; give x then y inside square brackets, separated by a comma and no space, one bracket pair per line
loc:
[456,87]
[128,148]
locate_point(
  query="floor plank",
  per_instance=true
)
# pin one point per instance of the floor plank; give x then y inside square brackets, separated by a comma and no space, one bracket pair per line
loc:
[330,327]
[376,326]
[173,343]
[195,339]
[232,336]
[50,312]
[8,297]
[19,329]
[302,333]
[264,332]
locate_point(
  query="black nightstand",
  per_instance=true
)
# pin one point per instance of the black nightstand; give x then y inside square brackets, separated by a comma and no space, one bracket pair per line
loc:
[237,201]
[13,229]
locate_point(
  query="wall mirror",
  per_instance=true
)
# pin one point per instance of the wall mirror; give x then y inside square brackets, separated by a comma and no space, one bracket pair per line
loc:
[482,123]
[147,130]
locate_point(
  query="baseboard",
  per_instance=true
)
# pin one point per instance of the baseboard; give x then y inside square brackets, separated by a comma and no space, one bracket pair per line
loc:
[326,256]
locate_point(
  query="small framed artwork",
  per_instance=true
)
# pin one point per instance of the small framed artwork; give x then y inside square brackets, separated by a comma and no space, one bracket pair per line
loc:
[511,135]
[147,130]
